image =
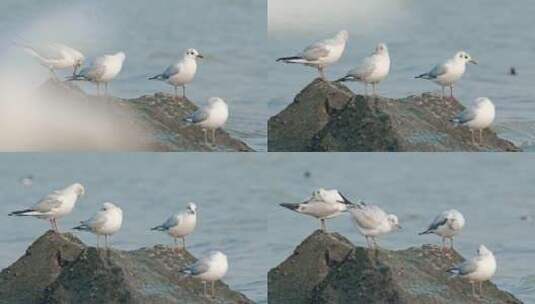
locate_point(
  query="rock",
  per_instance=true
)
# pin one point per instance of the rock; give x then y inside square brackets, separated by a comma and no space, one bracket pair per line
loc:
[159,116]
[327,116]
[327,268]
[61,269]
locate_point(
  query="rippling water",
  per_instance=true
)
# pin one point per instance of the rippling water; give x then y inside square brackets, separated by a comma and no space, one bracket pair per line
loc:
[230,33]
[419,34]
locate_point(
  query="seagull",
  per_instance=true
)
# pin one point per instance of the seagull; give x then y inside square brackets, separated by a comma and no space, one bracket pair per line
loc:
[321,54]
[372,221]
[180,225]
[55,205]
[102,70]
[446,225]
[106,221]
[60,57]
[478,116]
[372,70]
[479,269]
[210,117]
[449,72]
[182,72]
[208,269]
[323,204]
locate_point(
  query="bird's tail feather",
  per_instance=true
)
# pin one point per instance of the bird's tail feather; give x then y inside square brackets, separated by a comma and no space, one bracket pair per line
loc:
[425,232]
[290,206]
[158,228]
[347,78]
[157,77]
[292,59]
[453,271]
[81,227]
[25,212]
[423,76]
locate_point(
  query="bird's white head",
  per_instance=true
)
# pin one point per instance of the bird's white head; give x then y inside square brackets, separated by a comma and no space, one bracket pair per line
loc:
[78,189]
[192,208]
[342,35]
[481,102]
[393,221]
[381,48]
[483,251]
[218,256]
[192,53]
[464,57]
[216,101]
[108,206]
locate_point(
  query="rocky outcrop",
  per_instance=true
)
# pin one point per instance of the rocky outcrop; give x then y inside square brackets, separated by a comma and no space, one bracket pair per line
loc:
[327,116]
[327,268]
[158,118]
[59,268]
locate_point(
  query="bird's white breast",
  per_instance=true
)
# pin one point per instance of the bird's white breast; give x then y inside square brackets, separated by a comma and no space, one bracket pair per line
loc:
[186,226]
[216,271]
[455,70]
[218,115]
[484,117]
[187,73]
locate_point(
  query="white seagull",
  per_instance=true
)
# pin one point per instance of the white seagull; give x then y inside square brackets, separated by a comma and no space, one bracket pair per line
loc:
[478,116]
[323,204]
[102,70]
[446,225]
[55,205]
[106,221]
[372,70]
[321,54]
[180,225]
[208,269]
[447,73]
[479,269]
[57,56]
[182,72]
[372,221]
[213,116]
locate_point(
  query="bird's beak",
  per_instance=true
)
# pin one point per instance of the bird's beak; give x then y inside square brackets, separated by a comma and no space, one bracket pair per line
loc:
[200,56]
[473,61]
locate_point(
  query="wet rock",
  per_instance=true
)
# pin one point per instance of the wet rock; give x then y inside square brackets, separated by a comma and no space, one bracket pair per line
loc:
[159,116]
[327,116]
[328,268]
[61,269]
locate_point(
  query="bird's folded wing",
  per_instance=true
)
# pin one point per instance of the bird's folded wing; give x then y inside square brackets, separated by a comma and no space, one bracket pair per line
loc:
[172,221]
[97,221]
[369,217]
[199,267]
[467,267]
[199,116]
[438,70]
[466,116]
[48,203]
[366,68]
[172,70]
[315,51]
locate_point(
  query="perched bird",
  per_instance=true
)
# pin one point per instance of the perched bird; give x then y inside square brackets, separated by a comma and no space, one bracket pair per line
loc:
[372,70]
[479,269]
[208,269]
[478,116]
[321,54]
[55,205]
[372,221]
[213,116]
[446,225]
[57,57]
[102,70]
[182,72]
[180,225]
[449,72]
[106,221]
[323,204]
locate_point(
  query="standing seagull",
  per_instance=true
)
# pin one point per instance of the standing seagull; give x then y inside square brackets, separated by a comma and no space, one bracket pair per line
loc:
[209,269]
[449,72]
[102,70]
[372,221]
[105,222]
[55,205]
[447,225]
[321,54]
[212,117]
[180,225]
[323,204]
[182,72]
[479,269]
[478,116]
[60,57]
[372,70]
